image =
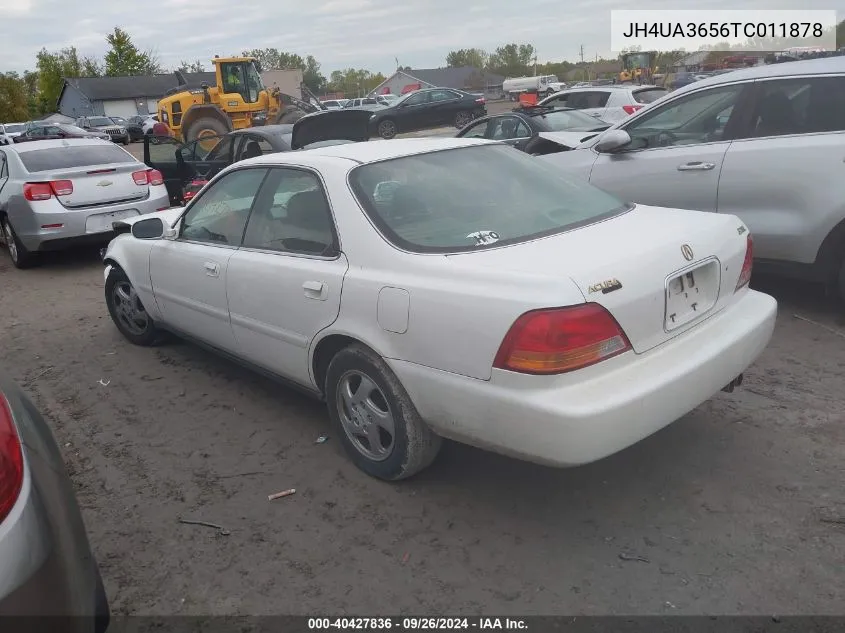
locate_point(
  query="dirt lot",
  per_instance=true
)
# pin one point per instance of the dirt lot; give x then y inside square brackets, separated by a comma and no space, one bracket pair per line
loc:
[726,507]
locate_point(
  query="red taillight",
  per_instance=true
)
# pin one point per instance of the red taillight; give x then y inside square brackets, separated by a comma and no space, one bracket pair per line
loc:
[481,100]
[34,191]
[62,187]
[745,273]
[630,109]
[11,460]
[558,340]
[155,177]
[141,177]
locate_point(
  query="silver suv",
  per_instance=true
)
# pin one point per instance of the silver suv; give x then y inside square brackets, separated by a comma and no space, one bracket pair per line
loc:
[609,103]
[766,144]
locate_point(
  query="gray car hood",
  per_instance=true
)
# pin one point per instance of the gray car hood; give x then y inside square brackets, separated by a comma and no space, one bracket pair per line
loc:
[331,125]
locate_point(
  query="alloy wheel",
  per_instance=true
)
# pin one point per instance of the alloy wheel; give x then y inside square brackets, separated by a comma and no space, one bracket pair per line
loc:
[129,309]
[365,415]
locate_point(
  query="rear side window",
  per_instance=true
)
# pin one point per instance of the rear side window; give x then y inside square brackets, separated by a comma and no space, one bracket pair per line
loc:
[649,95]
[68,157]
[584,100]
[799,106]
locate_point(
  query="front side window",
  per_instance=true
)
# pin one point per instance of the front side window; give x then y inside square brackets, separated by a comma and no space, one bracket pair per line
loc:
[697,118]
[508,127]
[233,78]
[474,197]
[219,214]
[479,130]
[291,215]
[252,146]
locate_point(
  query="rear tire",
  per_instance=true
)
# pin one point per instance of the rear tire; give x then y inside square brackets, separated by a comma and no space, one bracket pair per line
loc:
[21,257]
[374,395]
[387,129]
[203,124]
[128,313]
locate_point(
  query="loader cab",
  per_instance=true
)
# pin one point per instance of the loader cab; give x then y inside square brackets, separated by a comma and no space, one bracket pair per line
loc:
[240,77]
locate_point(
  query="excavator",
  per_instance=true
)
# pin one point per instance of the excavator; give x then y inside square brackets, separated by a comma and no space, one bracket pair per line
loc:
[238,100]
[637,67]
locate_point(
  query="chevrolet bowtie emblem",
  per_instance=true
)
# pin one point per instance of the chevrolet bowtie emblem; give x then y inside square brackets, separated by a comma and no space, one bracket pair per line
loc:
[104,183]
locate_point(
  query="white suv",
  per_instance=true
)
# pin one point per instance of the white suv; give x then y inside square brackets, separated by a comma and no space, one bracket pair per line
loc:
[608,103]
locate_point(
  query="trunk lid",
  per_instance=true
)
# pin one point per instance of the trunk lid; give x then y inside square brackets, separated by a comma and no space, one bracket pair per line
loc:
[331,125]
[636,265]
[100,185]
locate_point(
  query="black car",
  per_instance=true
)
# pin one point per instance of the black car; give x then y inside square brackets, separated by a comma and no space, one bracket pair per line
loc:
[536,129]
[135,125]
[186,167]
[427,108]
[57,130]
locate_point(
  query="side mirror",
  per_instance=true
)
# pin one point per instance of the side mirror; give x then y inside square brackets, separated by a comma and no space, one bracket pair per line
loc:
[149,229]
[613,141]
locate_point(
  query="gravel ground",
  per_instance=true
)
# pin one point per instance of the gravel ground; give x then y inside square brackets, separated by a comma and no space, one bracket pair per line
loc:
[728,508]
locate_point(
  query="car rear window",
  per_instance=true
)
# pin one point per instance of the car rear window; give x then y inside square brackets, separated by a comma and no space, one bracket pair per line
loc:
[563,120]
[649,95]
[73,156]
[474,197]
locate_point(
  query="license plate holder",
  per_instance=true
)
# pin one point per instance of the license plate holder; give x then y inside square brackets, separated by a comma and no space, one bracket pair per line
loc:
[102,222]
[691,293]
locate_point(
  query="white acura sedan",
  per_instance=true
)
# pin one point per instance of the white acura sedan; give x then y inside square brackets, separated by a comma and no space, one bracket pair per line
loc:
[430,288]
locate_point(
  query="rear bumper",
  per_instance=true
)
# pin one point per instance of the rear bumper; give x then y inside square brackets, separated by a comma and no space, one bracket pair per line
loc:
[73,230]
[581,417]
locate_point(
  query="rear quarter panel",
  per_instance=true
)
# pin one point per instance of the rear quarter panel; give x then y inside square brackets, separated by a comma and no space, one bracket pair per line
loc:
[456,316]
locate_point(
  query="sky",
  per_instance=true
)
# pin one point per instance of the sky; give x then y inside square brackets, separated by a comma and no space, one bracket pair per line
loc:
[369,34]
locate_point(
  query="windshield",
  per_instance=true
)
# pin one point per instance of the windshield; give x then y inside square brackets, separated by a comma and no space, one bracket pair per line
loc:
[118,119]
[73,156]
[14,127]
[633,61]
[100,121]
[567,120]
[472,197]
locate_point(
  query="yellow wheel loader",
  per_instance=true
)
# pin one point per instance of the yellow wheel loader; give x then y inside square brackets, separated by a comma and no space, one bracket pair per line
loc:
[238,100]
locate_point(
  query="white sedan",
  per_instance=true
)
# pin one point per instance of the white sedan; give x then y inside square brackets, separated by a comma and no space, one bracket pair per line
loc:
[430,288]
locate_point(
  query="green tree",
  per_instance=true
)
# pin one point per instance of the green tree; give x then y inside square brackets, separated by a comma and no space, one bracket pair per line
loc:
[14,103]
[91,67]
[354,81]
[474,57]
[52,70]
[124,58]
[840,34]
[512,60]
[193,67]
[311,75]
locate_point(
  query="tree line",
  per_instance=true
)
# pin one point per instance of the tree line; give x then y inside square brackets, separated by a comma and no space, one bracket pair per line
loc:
[35,93]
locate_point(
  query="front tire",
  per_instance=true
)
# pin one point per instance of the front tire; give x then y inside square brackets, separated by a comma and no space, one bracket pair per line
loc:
[127,312]
[211,126]
[375,419]
[18,253]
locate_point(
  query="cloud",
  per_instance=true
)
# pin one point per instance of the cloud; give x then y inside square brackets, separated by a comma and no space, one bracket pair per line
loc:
[339,33]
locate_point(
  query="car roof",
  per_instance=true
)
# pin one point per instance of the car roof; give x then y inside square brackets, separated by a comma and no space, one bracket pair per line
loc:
[367,151]
[29,146]
[818,66]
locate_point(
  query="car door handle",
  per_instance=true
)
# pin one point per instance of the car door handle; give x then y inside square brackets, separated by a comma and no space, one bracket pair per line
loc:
[315,290]
[696,166]
[212,269]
